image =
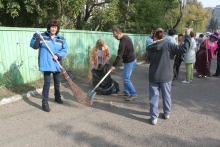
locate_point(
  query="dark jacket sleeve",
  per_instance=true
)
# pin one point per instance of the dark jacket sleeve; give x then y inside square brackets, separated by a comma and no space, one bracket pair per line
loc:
[218,49]
[35,41]
[178,50]
[121,50]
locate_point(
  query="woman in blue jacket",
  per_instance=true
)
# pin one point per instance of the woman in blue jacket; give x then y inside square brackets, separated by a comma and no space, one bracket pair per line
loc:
[47,63]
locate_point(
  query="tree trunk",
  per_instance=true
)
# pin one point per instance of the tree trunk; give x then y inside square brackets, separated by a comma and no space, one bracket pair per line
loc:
[125,23]
[181,13]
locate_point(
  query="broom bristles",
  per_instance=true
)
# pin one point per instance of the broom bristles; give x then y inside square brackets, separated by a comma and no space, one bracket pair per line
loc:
[78,93]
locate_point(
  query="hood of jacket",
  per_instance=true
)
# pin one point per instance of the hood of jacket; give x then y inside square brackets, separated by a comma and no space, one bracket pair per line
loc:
[156,46]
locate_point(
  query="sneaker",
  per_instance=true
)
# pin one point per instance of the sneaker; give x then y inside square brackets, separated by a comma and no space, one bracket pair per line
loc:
[58,99]
[167,116]
[123,94]
[45,106]
[204,76]
[199,76]
[185,82]
[154,122]
[131,98]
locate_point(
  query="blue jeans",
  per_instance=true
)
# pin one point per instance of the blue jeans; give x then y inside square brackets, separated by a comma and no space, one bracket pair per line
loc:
[46,87]
[154,90]
[128,86]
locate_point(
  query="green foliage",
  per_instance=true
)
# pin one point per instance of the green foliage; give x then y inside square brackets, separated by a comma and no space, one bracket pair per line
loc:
[103,19]
[193,11]
[140,56]
[132,16]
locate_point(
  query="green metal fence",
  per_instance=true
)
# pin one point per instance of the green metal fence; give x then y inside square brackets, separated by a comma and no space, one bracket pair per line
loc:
[18,61]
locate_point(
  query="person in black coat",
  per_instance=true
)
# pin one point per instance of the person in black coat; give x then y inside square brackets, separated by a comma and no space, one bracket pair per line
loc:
[178,58]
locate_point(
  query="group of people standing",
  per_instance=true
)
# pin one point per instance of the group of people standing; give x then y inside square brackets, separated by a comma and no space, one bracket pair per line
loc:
[164,50]
[165,55]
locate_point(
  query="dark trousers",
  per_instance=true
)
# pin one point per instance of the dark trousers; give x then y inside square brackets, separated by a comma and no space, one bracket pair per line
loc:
[176,71]
[218,66]
[46,87]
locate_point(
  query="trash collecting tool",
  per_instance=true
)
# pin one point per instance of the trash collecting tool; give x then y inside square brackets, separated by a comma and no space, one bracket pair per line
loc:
[78,93]
[208,72]
[91,94]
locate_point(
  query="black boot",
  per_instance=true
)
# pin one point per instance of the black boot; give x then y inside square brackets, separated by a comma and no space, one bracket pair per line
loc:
[58,99]
[216,74]
[45,106]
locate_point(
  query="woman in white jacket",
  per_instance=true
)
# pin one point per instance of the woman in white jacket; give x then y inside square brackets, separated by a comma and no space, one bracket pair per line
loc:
[189,59]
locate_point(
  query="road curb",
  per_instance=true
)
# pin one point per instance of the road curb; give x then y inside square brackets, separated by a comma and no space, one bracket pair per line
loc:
[18,97]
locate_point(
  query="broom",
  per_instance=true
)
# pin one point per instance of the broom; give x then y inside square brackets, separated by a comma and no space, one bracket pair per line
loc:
[78,93]
[207,61]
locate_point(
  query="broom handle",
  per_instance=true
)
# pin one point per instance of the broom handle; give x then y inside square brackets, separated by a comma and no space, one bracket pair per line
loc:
[49,49]
[102,79]
[207,50]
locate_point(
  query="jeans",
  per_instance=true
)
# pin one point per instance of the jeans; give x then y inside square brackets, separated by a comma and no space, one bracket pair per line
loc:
[46,87]
[154,90]
[128,86]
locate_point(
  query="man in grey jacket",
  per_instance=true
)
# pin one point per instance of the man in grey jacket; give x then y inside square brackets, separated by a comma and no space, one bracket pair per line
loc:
[161,54]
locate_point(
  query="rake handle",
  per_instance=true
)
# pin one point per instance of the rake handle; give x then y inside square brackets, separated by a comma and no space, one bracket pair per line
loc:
[207,50]
[102,79]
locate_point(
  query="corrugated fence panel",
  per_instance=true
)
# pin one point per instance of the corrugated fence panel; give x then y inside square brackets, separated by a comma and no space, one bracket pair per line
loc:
[19,62]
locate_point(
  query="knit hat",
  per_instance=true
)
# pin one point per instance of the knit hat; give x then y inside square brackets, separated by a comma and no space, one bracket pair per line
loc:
[214,37]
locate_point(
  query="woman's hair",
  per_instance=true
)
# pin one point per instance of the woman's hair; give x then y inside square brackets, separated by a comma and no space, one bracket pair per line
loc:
[51,23]
[192,34]
[99,43]
[159,34]
[180,35]
[201,35]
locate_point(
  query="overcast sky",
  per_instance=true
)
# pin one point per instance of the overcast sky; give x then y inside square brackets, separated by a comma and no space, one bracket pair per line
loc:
[210,3]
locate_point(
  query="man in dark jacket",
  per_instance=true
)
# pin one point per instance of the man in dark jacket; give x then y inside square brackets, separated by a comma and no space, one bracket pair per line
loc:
[217,51]
[161,54]
[126,52]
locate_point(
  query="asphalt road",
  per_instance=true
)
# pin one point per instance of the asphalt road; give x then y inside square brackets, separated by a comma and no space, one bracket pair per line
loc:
[113,122]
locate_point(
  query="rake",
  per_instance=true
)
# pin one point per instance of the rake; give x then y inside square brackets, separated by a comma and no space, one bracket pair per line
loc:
[208,72]
[91,94]
[78,93]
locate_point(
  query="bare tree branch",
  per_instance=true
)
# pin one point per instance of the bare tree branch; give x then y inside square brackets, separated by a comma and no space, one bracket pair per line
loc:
[181,14]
